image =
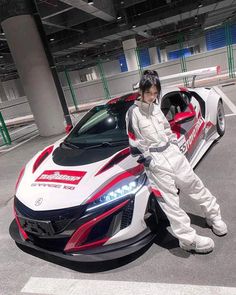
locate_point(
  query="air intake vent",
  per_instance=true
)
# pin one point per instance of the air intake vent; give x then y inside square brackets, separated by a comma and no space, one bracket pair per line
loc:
[127,215]
[117,159]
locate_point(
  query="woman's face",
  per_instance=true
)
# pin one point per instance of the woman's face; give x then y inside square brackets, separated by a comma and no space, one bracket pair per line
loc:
[150,95]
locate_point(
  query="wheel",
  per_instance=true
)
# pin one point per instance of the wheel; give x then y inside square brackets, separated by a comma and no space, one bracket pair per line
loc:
[220,119]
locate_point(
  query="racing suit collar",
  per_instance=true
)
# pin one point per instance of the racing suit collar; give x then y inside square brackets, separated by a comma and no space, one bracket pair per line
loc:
[146,108]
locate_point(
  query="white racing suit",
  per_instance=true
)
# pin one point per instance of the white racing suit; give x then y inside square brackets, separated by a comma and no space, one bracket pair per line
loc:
[151,138]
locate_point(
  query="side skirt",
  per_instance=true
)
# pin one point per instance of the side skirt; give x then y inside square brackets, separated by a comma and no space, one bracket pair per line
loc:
[202,149]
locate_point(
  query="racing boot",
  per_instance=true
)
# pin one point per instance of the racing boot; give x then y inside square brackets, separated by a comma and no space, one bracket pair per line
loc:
[218,227]
[199,245]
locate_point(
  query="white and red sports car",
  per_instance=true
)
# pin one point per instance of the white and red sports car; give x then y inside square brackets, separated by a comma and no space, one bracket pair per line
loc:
[85,198]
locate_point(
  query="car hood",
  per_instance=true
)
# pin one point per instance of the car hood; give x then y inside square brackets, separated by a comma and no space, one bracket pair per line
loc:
[55,186]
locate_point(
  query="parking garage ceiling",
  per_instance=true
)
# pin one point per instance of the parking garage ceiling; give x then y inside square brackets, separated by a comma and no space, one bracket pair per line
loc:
[80,32]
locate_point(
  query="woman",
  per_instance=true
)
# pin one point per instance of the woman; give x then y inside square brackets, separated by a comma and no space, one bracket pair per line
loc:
[168,170]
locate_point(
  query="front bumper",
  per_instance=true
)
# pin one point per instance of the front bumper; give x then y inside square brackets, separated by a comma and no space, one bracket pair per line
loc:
[103,253]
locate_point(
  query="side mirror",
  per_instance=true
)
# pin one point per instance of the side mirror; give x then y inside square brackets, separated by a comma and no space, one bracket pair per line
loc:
[184,117]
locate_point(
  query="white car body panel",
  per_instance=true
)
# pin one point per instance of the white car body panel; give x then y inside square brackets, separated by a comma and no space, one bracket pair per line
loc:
[60,195]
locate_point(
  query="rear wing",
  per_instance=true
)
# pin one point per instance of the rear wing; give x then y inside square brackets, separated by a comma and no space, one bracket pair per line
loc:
[191,74]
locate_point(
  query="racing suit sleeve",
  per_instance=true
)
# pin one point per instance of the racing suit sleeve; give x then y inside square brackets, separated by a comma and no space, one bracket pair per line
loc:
[169,133]
[137,143]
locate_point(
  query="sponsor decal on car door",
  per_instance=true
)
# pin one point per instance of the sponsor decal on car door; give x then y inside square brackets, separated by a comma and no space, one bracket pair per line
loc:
[194,132]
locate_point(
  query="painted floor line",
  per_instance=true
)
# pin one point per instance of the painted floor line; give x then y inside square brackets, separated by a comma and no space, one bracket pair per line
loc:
[230,115]
[225,98]
[20,129]
[54,286]
[14,147]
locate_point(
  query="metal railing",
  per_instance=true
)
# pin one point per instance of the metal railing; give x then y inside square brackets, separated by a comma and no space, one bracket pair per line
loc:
[4,132]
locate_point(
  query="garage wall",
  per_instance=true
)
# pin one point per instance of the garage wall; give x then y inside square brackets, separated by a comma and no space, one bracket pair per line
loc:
[11,90]
[208,59]
[118,83]
[111,68]
[3,96]
[123,82]
[17,108]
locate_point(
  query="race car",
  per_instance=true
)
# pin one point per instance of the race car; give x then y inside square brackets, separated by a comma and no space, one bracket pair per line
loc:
[85,198]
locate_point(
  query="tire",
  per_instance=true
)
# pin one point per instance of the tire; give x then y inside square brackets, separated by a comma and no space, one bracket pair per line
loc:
[220,119]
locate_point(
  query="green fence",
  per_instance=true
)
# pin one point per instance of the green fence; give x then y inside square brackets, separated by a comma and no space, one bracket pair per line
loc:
[4,132]
[104,80]
[183,63]
[138,58]
[72,92]
[230,51]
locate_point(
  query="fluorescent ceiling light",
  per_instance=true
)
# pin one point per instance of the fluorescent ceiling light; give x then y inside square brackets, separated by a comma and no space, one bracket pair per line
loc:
[213,26]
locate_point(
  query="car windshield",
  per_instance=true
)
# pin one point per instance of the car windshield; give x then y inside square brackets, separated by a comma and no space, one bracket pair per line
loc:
[103,125]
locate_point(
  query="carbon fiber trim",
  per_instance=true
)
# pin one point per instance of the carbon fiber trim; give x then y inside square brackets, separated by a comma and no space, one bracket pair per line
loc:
[53,215]
[103,253]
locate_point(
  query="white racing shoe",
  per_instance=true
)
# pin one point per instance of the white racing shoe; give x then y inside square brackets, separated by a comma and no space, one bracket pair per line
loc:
[218,227]
[199,245]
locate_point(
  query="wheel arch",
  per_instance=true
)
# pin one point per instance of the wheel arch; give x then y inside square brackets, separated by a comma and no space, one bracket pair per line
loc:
[220,127]
[211,106]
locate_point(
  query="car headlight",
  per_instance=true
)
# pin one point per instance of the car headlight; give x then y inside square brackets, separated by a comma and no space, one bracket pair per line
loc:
[121,191]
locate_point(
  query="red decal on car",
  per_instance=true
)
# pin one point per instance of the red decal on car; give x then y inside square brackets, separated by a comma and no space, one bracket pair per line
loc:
[156,193]
[131,135]
[193,135]
[131,172]
[115,160]
[209,124]
[80,236]
[61,176]
[183,89]
[42,157]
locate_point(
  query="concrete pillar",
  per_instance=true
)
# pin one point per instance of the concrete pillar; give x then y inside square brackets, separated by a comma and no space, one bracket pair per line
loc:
[33,68]
[3,96]
[153,55]
[20,88]
[202,44]
[164,57]
[129,47]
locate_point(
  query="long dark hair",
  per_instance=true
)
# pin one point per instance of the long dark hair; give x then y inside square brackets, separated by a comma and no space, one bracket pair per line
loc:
[149,78]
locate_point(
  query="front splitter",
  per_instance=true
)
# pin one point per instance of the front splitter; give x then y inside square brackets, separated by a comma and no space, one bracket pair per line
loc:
[105,253]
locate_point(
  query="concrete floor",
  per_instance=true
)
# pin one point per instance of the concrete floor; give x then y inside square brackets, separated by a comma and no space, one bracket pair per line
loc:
[163,263]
